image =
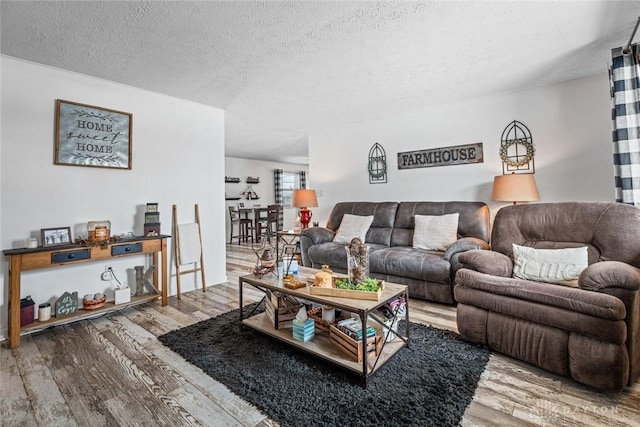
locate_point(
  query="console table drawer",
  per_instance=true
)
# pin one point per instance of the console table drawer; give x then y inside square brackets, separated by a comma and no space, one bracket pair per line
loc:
[130,248]
[70,256]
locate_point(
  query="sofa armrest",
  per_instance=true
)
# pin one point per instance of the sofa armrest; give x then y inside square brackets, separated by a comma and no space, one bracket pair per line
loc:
[313,236]
[465,244]
[609,274]
[317,234]
[487,262]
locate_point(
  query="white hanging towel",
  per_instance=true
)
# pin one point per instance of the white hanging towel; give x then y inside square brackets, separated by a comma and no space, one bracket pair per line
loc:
[189,248]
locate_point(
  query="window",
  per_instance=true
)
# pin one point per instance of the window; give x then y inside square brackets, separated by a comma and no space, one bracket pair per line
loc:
[290,182]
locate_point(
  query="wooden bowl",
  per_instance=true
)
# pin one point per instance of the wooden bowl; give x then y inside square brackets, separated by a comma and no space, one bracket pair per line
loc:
[92,304]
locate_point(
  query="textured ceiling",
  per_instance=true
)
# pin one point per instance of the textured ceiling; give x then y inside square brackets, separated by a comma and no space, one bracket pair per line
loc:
[282,70]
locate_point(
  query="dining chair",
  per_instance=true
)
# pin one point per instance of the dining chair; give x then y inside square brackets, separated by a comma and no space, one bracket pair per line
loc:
[268,225]
[245,226]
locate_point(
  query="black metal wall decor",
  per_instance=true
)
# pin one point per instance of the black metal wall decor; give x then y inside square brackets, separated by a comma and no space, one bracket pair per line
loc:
[377,165]
[516,149]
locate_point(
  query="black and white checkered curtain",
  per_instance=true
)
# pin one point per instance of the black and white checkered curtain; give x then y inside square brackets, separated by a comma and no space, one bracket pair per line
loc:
[625,99]
[303,179]
[277,185]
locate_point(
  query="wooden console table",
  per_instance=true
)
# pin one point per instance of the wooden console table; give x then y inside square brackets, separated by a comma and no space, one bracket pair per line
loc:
[65,255]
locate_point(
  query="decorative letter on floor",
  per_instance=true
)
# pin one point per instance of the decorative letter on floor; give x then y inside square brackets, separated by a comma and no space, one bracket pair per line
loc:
[143,280]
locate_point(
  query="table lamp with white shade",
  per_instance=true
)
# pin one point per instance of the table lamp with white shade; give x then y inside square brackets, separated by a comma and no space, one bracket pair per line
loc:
[515,188]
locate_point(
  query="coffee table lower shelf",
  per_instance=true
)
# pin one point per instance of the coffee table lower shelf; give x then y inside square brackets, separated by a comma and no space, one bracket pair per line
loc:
[322,347]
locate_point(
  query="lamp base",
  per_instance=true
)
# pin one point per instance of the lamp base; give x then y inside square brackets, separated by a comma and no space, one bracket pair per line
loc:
[305,217]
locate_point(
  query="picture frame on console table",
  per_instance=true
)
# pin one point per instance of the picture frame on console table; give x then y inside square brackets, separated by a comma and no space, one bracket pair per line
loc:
[86,135]
[55,236]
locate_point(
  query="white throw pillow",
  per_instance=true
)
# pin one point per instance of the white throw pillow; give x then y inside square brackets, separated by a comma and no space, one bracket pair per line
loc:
[353,226]
[560,266]
[435,233]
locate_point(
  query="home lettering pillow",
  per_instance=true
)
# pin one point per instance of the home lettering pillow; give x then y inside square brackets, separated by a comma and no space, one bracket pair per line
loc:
[560,266]
[353,226]
[435,233]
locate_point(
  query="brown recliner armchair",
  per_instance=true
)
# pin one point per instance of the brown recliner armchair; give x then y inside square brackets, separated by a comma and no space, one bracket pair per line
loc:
[591,332]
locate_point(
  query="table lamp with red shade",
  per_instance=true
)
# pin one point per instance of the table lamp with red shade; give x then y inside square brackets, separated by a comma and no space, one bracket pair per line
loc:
[304,199]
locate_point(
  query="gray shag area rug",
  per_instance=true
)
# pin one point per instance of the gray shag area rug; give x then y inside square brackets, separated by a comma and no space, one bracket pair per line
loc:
[430,383]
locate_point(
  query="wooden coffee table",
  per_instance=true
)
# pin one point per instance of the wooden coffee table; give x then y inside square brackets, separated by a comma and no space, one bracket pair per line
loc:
[321,346]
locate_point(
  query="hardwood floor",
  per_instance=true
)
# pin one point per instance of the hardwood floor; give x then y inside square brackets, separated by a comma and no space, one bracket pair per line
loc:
[113,371]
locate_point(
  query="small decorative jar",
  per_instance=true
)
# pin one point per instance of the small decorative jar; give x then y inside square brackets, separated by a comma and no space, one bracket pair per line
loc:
[44,312]
[328,313]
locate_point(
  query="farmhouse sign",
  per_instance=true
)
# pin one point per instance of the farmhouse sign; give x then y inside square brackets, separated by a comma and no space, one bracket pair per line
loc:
[92,136]
[444,156]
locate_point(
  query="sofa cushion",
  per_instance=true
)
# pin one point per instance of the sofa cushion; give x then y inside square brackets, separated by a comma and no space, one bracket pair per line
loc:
[412,263]
[435,232]
[607,229]
[384,214]
[577,300]
[473,220]
[587,313]
[353,226]
[560,266]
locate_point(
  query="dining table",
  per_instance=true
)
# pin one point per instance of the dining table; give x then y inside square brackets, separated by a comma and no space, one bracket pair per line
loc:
[254,213]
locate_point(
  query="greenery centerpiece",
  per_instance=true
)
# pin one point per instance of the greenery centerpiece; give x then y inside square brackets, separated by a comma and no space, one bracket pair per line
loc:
[357,284]
[368,284]
[358,269]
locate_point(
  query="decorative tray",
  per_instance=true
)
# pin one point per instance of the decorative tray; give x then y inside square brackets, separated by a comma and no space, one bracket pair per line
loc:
[348,293]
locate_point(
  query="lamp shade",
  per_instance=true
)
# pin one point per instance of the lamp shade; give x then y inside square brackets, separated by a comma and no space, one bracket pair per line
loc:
[304,198]
[515,188]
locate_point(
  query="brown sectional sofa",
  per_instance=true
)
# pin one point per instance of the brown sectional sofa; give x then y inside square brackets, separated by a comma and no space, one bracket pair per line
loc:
[590,333]
[428,274]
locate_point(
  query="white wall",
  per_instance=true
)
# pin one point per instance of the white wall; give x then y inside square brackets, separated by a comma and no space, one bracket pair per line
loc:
[242,168]
[570,124]
[178,157]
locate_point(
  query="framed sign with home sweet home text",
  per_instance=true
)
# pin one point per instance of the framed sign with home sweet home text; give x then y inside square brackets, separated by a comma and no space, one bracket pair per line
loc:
[92,136]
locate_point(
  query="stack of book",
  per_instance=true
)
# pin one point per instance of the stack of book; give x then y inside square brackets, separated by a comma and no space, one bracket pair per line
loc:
[353,328]
[304,331]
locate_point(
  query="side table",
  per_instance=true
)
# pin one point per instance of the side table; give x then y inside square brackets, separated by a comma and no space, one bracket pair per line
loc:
[287,238]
